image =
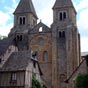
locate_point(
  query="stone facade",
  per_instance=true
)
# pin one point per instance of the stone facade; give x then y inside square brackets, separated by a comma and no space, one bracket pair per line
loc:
[57,48]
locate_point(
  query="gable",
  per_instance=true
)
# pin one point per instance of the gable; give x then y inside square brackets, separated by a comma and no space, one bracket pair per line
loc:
[40,28]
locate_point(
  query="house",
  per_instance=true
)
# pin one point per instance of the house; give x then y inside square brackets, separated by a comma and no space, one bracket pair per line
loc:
[18,70]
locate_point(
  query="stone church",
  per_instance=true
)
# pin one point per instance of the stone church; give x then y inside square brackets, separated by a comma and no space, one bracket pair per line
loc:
[57,47]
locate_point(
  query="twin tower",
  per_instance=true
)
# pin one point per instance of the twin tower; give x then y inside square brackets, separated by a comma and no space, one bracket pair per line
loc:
[57,47]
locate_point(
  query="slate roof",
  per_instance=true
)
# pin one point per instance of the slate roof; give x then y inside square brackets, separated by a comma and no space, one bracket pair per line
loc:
[18,61]
[25,6]
[4,44]
[86,58]
[63,3]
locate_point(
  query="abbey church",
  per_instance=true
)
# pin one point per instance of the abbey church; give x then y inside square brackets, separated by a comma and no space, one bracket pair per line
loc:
[56,49]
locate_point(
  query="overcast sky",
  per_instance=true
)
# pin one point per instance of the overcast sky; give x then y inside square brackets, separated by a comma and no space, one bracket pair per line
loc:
[44,12]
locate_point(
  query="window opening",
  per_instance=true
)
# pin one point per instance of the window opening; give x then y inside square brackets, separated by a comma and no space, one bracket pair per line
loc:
[13,76]
[40,29]
[62,34]
[45,56]
[20,37]
[41,41]
[34,64]
[22,20]
[0,60]
[61,16]
[64,15]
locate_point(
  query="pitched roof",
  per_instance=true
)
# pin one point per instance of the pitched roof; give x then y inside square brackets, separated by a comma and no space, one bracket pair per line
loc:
[25,6]
[19,61]
[45,28]
[4,44]
[63,3]
[86,59]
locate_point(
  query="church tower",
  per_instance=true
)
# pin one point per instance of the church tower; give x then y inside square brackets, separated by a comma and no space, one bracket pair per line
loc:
[25,14]
[65,42]
[25,18]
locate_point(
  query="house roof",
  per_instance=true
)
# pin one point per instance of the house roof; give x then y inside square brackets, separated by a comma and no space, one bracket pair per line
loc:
[25,6]
[18,61]
[4,44]
[86,58]
[63,3]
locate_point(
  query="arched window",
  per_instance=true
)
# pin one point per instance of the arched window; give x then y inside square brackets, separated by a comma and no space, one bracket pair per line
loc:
[19,37]
[45,56]
[62,34]
[0,60]
[62,15]
[22,20]
[41,41]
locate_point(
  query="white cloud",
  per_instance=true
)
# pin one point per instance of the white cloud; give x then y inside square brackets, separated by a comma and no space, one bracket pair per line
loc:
[4,17]
[84,44]
[82,5]
[5,29]
[83,20]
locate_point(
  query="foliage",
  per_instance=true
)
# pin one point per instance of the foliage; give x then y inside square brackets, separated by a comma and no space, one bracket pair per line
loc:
[35,82]
[2,37]
[81,81]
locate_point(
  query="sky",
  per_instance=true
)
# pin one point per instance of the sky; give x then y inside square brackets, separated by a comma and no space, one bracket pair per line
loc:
[44,11]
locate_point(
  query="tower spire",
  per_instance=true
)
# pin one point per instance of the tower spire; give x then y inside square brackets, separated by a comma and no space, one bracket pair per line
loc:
[63,3]
[25,6]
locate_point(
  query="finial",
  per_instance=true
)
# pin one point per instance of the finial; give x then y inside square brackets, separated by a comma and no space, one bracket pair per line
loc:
[40,20]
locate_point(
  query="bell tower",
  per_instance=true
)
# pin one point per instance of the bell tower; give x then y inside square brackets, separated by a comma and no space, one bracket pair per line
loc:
[25,14]
[25,18]
[64,11]
[65,44]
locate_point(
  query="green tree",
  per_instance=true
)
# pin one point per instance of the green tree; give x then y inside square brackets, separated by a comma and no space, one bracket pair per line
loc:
[81,81]
[35,82]
[2,37]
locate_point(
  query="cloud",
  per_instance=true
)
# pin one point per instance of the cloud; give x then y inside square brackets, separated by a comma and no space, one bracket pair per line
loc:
[83,20]
[81,5]
[84,44]
[4,17]
[5,29]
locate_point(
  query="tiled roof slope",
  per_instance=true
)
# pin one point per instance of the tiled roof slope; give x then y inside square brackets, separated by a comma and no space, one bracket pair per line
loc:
[63,3]
[17,61]
[4,44]
[25,6]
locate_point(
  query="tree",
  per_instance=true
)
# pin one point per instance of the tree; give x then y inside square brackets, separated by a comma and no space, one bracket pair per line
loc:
[81,81]
[2,37]
[35,82]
